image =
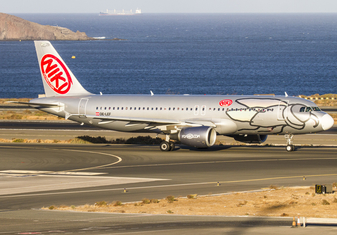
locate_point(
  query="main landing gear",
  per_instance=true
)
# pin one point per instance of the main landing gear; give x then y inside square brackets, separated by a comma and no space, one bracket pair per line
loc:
[167,146]
[290,147]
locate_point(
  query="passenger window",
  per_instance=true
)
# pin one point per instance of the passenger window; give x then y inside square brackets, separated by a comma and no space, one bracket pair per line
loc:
[122,108]
[161,108]
[96,108]
[117,108]
[169,108]
[173,108]
[105,108]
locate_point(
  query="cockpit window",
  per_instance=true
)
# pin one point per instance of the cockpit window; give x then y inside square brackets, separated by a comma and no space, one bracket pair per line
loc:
[309,109]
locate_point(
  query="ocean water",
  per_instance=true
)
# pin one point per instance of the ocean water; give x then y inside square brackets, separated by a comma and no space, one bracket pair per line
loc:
[185,54]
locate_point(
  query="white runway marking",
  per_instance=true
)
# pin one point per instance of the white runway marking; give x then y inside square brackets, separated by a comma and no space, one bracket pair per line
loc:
[29,181]
[20,173]
[40,183]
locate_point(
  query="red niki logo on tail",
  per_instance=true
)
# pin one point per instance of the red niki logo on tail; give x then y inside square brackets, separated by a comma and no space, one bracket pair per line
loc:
[56,74]
[225,103]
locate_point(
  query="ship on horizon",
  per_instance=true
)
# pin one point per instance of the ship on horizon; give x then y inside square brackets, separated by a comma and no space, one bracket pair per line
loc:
[115,12]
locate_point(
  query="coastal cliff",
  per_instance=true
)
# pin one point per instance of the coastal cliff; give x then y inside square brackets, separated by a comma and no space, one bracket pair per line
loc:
[15,28]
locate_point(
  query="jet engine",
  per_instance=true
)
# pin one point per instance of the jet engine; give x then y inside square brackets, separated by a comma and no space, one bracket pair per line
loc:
[198,137]
[258,139]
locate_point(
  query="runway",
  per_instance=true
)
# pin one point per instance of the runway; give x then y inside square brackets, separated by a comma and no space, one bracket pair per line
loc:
[33,176]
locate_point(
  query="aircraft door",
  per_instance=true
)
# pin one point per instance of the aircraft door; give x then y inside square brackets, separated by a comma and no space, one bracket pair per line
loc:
[82,106]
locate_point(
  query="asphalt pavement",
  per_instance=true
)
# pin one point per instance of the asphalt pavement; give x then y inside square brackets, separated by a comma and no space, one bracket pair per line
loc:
[37,175]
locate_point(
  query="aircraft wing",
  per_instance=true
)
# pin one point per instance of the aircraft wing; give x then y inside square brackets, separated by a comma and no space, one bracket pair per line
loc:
[136,119]
[155,121]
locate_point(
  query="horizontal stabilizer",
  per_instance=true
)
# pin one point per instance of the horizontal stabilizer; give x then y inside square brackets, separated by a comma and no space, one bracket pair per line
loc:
[35,104]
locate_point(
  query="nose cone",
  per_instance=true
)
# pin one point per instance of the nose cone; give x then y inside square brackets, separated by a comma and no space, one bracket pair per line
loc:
[327,122]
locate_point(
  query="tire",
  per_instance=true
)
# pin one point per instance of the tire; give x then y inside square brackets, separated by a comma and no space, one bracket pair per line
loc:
[172,146]
[165,146]
[290,148]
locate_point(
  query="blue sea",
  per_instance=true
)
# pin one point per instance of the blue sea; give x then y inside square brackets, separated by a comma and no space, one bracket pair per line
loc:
[185,54]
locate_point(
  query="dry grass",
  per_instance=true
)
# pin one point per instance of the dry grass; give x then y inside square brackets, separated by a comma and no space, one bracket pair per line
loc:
[26,114]
[4,101]
[322,100]
[44,141]
[84,140]
[272,202]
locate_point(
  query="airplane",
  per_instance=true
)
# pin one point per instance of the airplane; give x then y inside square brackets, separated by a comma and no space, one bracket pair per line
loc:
[194,120]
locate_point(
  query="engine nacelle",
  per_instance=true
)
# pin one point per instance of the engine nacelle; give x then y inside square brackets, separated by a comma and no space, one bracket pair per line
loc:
[250,138]
[198,137]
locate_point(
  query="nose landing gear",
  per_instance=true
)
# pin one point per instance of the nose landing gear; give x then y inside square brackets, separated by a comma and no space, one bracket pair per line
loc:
[290,147]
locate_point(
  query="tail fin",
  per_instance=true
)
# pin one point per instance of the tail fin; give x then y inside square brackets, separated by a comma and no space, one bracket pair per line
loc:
[57,78]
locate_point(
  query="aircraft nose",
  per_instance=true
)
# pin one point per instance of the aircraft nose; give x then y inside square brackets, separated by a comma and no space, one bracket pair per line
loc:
[327,122]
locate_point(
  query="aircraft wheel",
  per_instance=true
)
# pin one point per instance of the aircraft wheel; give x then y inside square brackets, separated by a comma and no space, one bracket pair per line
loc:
[172,146]
[290,148]
[165,146]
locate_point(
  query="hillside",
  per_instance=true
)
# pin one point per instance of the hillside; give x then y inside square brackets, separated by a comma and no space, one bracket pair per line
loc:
[15,28]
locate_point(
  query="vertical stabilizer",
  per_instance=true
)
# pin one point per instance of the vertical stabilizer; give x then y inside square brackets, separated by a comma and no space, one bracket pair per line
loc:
[57,78]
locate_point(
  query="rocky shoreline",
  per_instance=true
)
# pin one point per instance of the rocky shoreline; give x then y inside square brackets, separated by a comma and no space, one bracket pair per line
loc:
[13,28]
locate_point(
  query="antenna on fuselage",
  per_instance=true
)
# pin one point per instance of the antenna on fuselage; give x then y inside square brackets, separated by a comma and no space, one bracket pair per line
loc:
[151,93]
[285,94]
